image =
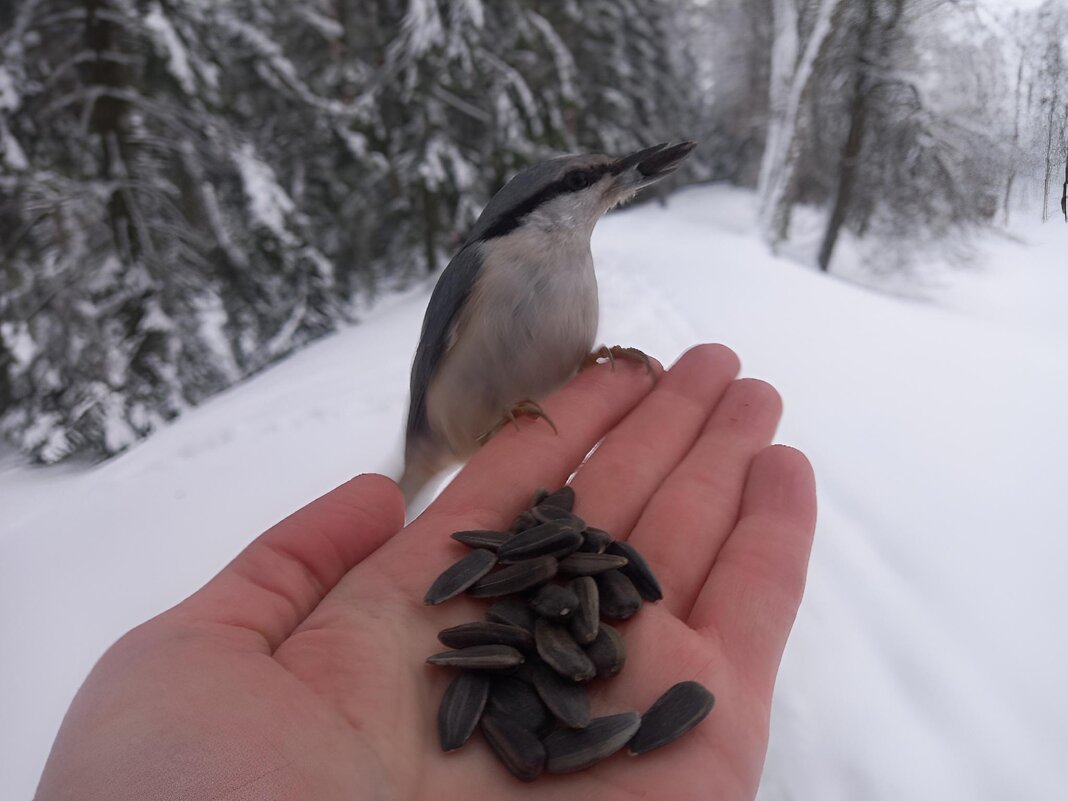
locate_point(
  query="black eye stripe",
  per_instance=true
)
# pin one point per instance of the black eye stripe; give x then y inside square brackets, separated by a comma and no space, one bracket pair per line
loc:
[511,220]
[577,179]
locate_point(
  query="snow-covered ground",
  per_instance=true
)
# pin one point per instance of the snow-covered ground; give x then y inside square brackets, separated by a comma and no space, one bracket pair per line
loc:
[929,655]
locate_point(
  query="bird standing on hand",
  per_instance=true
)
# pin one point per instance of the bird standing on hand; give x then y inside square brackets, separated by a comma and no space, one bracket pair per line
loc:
[514,314]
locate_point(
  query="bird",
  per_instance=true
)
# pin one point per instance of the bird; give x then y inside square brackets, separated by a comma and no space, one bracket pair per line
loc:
[514,314]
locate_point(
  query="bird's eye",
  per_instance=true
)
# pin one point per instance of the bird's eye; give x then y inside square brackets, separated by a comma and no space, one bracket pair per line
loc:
[579,179]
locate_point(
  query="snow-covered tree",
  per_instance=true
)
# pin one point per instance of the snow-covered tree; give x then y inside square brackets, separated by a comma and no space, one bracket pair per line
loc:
[157,253]
[190,189]
[888,113]
[791,85]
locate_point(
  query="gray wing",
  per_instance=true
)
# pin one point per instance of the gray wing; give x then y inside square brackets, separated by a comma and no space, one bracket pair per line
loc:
[452,290]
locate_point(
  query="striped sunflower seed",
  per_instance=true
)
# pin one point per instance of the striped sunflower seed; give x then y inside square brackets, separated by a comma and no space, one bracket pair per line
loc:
[590,564]
[479,657]
[461,707]
[672,715]
[546,513]
[564,498]
[594,540]
[515,578]
[516,699]
[467,635]
[490,540]
[567,751]
[460,576]
[547,539]
[607,651]
[519,749]
[512,612]
[586,619]
[568,702]
[619,597]
[554,602]
[560,652]
[522,522]
[637,570]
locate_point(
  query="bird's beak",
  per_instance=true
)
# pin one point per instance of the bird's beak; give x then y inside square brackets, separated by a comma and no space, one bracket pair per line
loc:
[649,165]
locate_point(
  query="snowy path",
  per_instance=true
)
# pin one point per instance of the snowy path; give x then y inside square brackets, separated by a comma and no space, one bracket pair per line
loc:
[928,657]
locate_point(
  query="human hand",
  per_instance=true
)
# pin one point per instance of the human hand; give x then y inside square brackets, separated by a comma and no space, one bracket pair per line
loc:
[298,672]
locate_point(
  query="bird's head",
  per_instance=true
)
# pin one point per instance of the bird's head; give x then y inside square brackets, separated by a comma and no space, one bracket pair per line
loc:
[569,194]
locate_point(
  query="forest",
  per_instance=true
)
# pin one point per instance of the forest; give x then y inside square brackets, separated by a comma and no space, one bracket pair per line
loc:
[190,190]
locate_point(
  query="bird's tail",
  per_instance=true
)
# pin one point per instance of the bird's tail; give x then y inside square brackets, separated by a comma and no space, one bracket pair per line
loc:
[422,461]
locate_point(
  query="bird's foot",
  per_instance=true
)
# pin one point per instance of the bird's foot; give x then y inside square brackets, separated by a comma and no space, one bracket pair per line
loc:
[610,354]
[525,408]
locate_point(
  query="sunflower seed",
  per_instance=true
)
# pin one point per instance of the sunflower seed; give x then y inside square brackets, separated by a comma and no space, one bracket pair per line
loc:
[637,570]
[515,578]
[607,651]
[525,672]
[619,598]
[560,652]
[554,602]
[467,635]
[512,612]
[546,513]
[567,751]
[460,709]
[540,495]
[491,540]
[516,699]
[586,618]
[590,564]
[594,540]
[522,522]
[672,715]
[519,749]
[479,657]
[460,576]
[563,498]
[569,703]
[547,539]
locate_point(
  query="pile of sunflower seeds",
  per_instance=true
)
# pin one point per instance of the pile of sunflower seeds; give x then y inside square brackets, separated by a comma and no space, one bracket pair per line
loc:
[523,671]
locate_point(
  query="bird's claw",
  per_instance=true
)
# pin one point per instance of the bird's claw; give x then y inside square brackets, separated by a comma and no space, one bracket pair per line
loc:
[525,408]
[610,354]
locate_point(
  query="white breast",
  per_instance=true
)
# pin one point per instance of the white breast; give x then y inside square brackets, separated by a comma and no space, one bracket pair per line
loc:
[529,323]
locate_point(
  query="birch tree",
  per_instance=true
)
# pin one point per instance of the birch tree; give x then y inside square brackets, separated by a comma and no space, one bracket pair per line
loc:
[793,71]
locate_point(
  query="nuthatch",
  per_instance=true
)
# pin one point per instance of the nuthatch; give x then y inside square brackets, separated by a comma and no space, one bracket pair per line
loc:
[514,314]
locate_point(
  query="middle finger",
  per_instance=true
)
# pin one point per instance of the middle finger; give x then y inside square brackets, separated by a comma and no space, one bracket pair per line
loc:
[685,523]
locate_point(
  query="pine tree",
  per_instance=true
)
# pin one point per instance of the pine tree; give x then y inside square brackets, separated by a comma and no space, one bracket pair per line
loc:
[195,188]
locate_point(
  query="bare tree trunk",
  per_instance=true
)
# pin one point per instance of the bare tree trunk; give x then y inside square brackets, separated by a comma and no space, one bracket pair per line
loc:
[107,118]
[1015,140]
[847,175]
[1064,189]
[1064,142]
[874,42]
[1049,164]
[779,166]
[784,47]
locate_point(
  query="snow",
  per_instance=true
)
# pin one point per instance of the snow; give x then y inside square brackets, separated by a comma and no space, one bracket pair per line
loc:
[18,342]
[9,95]
[170,43]
[928,656]
[268,201]
[422,26]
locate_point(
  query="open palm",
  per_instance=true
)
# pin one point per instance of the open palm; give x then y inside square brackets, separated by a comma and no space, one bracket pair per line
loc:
[298,672]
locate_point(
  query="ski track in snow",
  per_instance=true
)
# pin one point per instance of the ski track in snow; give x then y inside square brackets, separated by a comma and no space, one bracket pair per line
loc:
[927,658]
